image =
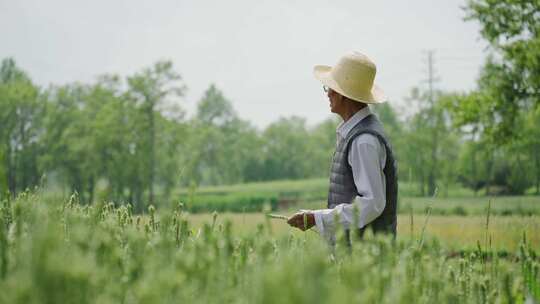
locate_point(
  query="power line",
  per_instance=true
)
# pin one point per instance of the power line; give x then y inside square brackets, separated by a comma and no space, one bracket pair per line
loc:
[465,59]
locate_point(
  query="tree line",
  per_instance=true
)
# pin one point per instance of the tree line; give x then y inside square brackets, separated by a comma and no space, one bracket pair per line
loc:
[131,139]
[128,139]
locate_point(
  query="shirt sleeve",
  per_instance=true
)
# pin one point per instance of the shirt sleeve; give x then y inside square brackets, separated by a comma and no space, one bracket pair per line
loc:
[367,157]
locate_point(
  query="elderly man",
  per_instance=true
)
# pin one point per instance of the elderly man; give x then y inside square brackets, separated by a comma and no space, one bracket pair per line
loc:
[363,181]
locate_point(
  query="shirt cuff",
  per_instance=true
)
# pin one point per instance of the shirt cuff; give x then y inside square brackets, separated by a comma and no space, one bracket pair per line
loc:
[319,221]
[323,223]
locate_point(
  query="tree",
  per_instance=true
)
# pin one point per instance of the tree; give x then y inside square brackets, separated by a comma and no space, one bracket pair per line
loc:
[20,113]
[529,142]
[499,110]
[510,84]
[150,89]
[224,148]
[321,146]
[287,151]
[415,153]
[172,144]
[214,109]
[68,140]
[387,115]
[112,132]
[429,141]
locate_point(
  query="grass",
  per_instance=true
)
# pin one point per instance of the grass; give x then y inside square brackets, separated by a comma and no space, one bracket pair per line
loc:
[500,205]
[63,252]
[311,194]
[455,232]
[252,196]
[459,206]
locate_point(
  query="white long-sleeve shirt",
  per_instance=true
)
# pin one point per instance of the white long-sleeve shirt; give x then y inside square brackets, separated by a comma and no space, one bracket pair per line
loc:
[367,157]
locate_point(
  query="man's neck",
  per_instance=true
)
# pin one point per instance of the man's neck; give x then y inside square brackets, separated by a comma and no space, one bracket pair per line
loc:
[346,115]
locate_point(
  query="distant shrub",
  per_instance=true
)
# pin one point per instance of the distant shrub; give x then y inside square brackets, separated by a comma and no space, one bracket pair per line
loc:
[233,202]
[459,210]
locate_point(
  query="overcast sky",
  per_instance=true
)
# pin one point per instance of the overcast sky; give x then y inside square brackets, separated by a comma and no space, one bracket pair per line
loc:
[259,53]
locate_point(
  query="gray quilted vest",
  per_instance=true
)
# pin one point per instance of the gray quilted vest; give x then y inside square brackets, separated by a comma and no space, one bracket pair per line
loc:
[342,187]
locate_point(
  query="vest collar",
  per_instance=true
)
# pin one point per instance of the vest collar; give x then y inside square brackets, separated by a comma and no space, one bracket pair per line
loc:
[345,127]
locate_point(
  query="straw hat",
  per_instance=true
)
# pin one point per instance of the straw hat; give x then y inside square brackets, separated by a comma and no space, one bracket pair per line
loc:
[352,77]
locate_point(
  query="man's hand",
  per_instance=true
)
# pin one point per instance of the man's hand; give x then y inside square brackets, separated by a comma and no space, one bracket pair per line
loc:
[302,220]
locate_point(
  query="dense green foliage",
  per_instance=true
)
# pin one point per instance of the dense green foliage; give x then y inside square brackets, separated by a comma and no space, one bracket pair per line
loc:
[256,196]
[502,115]
[510,83]
[100,141]
[65,252]
[113,141]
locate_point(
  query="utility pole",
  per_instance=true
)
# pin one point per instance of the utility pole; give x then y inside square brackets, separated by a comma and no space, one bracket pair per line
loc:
[431,77]
[434,121]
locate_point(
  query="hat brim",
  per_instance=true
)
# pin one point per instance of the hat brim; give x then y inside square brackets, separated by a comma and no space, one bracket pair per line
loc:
[324,74]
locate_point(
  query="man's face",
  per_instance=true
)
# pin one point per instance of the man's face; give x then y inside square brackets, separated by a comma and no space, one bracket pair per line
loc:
[336,100]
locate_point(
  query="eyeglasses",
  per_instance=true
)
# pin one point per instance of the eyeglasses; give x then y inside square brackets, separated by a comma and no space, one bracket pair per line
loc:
[325,89]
